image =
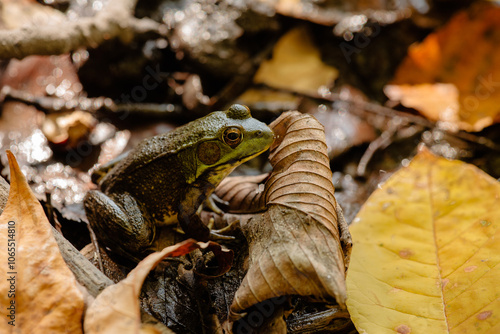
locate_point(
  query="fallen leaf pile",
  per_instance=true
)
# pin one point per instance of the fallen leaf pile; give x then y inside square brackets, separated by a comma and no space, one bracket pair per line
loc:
[454,75]
[426,252]
[426,243]
[117,309]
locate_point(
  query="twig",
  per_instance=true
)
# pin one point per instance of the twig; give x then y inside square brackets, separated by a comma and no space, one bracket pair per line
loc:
[381,142]
[115,20]
[85,272]
[49,104]
[312,322]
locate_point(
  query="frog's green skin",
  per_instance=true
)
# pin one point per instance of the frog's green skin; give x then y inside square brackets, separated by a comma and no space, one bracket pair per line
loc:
[167,178]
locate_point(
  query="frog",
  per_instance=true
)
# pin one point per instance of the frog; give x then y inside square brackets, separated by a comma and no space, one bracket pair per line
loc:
[167,179]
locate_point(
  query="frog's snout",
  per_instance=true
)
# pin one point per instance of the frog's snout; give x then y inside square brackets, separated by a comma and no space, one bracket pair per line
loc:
[265,135]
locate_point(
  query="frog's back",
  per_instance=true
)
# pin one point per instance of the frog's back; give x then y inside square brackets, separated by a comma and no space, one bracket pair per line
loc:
[162,149]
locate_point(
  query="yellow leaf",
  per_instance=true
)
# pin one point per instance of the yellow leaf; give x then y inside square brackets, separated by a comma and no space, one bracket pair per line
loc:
[47,299]
[296,65]
[426,252]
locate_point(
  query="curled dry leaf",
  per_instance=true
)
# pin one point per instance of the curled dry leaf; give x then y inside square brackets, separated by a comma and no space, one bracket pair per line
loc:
[426,253]
[117,310]
[47,299]
[301,176]
[297,246]
[243,193]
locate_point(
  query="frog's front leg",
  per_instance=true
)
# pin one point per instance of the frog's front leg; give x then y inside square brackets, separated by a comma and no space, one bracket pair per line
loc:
[189,214]
[119,223]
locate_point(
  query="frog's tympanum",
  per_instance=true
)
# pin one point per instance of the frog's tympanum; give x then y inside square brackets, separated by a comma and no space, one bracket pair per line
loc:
[166,179]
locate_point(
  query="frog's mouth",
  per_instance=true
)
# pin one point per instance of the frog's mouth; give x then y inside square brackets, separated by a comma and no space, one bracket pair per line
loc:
[244,159]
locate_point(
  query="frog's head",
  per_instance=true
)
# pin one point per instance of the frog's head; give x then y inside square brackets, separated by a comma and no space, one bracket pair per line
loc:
[235,137]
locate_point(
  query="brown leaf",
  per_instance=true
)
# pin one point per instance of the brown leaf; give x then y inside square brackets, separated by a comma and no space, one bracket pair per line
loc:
[17,13]
[47,299]
[116,309]
[41,75]
[295,246]
[290,254]
[243,193]
[301,176]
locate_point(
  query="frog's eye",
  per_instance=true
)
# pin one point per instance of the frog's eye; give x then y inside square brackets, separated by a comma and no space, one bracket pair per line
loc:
[232,136]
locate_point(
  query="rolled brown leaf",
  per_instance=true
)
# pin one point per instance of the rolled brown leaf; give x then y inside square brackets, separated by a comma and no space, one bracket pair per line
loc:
[297,245]
[301,176]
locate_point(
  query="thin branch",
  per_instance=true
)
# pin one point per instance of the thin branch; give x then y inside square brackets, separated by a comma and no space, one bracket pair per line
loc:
[95,105]
[379,143]
[115,20]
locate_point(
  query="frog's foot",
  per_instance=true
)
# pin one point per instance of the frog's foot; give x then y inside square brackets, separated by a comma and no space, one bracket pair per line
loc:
[216,234]
[225,232]
[211,203]
[189,218]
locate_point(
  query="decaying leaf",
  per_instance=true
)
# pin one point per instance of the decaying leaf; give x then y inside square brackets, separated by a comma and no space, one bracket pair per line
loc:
[465,53]
[426,252]
[116,309]
[296,245]
[296,65]
[36,280]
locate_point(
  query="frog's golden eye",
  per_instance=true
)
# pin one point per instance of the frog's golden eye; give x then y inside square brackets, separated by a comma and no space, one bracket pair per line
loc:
[232,136]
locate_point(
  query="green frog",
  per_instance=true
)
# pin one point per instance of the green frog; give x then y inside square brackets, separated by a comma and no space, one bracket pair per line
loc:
[166,180]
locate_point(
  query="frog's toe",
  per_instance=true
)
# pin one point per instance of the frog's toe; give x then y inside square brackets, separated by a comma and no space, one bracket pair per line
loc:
[226,232]
[213,202]
[216,236]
